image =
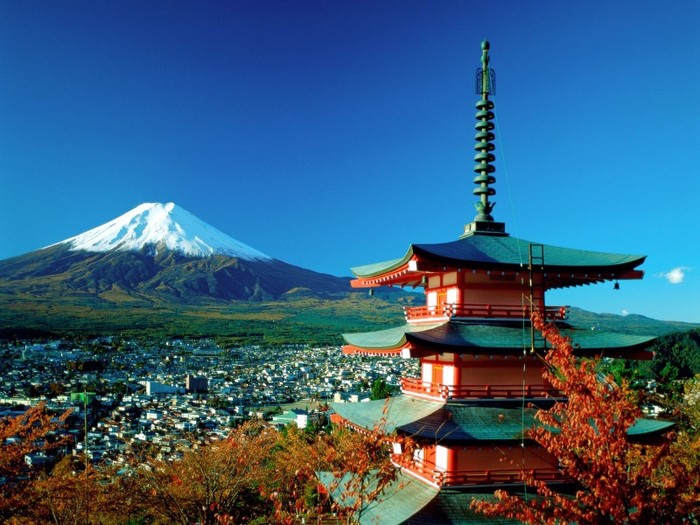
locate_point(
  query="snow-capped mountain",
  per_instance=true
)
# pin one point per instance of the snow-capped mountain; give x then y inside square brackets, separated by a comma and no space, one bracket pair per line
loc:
[163,252]
[161,226]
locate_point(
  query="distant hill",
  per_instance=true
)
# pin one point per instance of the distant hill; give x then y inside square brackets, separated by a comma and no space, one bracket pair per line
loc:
[297,317]
[117,276]
[159,252]
[159,270]
[633,324]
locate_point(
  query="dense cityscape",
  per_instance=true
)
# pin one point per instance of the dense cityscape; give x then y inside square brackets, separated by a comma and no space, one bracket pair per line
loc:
[127,393]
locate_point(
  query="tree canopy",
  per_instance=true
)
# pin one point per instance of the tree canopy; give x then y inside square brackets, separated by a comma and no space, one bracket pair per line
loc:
[615,480]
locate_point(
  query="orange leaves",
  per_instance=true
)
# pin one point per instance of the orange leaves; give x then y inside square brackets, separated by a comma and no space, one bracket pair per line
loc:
[356,461]
[257,472]
[211,480]
[619,481]
[28,433]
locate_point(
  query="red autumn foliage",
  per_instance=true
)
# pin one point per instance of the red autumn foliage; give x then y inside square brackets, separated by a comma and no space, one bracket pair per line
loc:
[359,461]
[29,433]
[211,481]
[616,480]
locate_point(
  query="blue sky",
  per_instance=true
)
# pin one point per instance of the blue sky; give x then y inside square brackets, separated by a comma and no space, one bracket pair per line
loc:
[333,134]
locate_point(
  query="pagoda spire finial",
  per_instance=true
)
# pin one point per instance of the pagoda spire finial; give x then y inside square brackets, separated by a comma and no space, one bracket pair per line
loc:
[484,169]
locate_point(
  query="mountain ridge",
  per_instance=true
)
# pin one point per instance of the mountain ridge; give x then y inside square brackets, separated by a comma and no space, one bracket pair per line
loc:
[165,226]
[58,269]
[165,251]
[137,279]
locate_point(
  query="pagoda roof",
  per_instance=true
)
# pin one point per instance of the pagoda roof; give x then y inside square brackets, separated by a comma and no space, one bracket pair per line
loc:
[462,423]
[490,338]
[396,412]
[484,251]
[397,503]
[443,422]
[407,500]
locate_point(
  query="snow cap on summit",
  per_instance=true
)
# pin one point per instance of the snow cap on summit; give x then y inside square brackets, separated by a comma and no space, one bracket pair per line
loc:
[162,226]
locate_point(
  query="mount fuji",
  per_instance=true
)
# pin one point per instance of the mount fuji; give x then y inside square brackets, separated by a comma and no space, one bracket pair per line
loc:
[160,251]
[162,227]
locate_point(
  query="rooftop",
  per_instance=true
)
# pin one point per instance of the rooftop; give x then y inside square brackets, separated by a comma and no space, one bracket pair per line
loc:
[562,266]
[458,422]
[492,338]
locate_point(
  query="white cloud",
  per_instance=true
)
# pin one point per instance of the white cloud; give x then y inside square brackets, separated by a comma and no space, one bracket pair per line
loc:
[624,312]
[675,276]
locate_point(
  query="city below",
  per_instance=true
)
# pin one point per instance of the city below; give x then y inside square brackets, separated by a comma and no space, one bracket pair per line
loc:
[127,393]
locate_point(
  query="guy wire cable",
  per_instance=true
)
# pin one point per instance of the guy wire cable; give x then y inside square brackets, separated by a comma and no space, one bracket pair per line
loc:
[502,157]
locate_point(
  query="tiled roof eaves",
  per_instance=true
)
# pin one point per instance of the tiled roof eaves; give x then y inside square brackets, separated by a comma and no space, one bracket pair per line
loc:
[491,338]
[387,339]
[644,427]
[494,252]
[510,252]
[393,412]
[494,336]
[462,423]
[406,500]
[374,269]
[400,500]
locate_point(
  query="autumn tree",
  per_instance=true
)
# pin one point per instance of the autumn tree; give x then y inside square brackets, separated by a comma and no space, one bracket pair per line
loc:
[691,403]
[73,494]
[616,481]
[257,474]
[211,480]
[34,431]
[360,468]
[289,484]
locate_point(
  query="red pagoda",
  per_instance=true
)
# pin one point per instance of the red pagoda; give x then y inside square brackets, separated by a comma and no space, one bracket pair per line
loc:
[480,368]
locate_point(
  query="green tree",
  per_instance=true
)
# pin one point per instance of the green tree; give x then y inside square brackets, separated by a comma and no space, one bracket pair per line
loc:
[380,389]
[676,359]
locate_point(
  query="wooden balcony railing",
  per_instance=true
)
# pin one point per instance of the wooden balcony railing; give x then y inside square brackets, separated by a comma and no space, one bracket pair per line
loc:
[411,385]
[493,477]
[443,478]
[479,311]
